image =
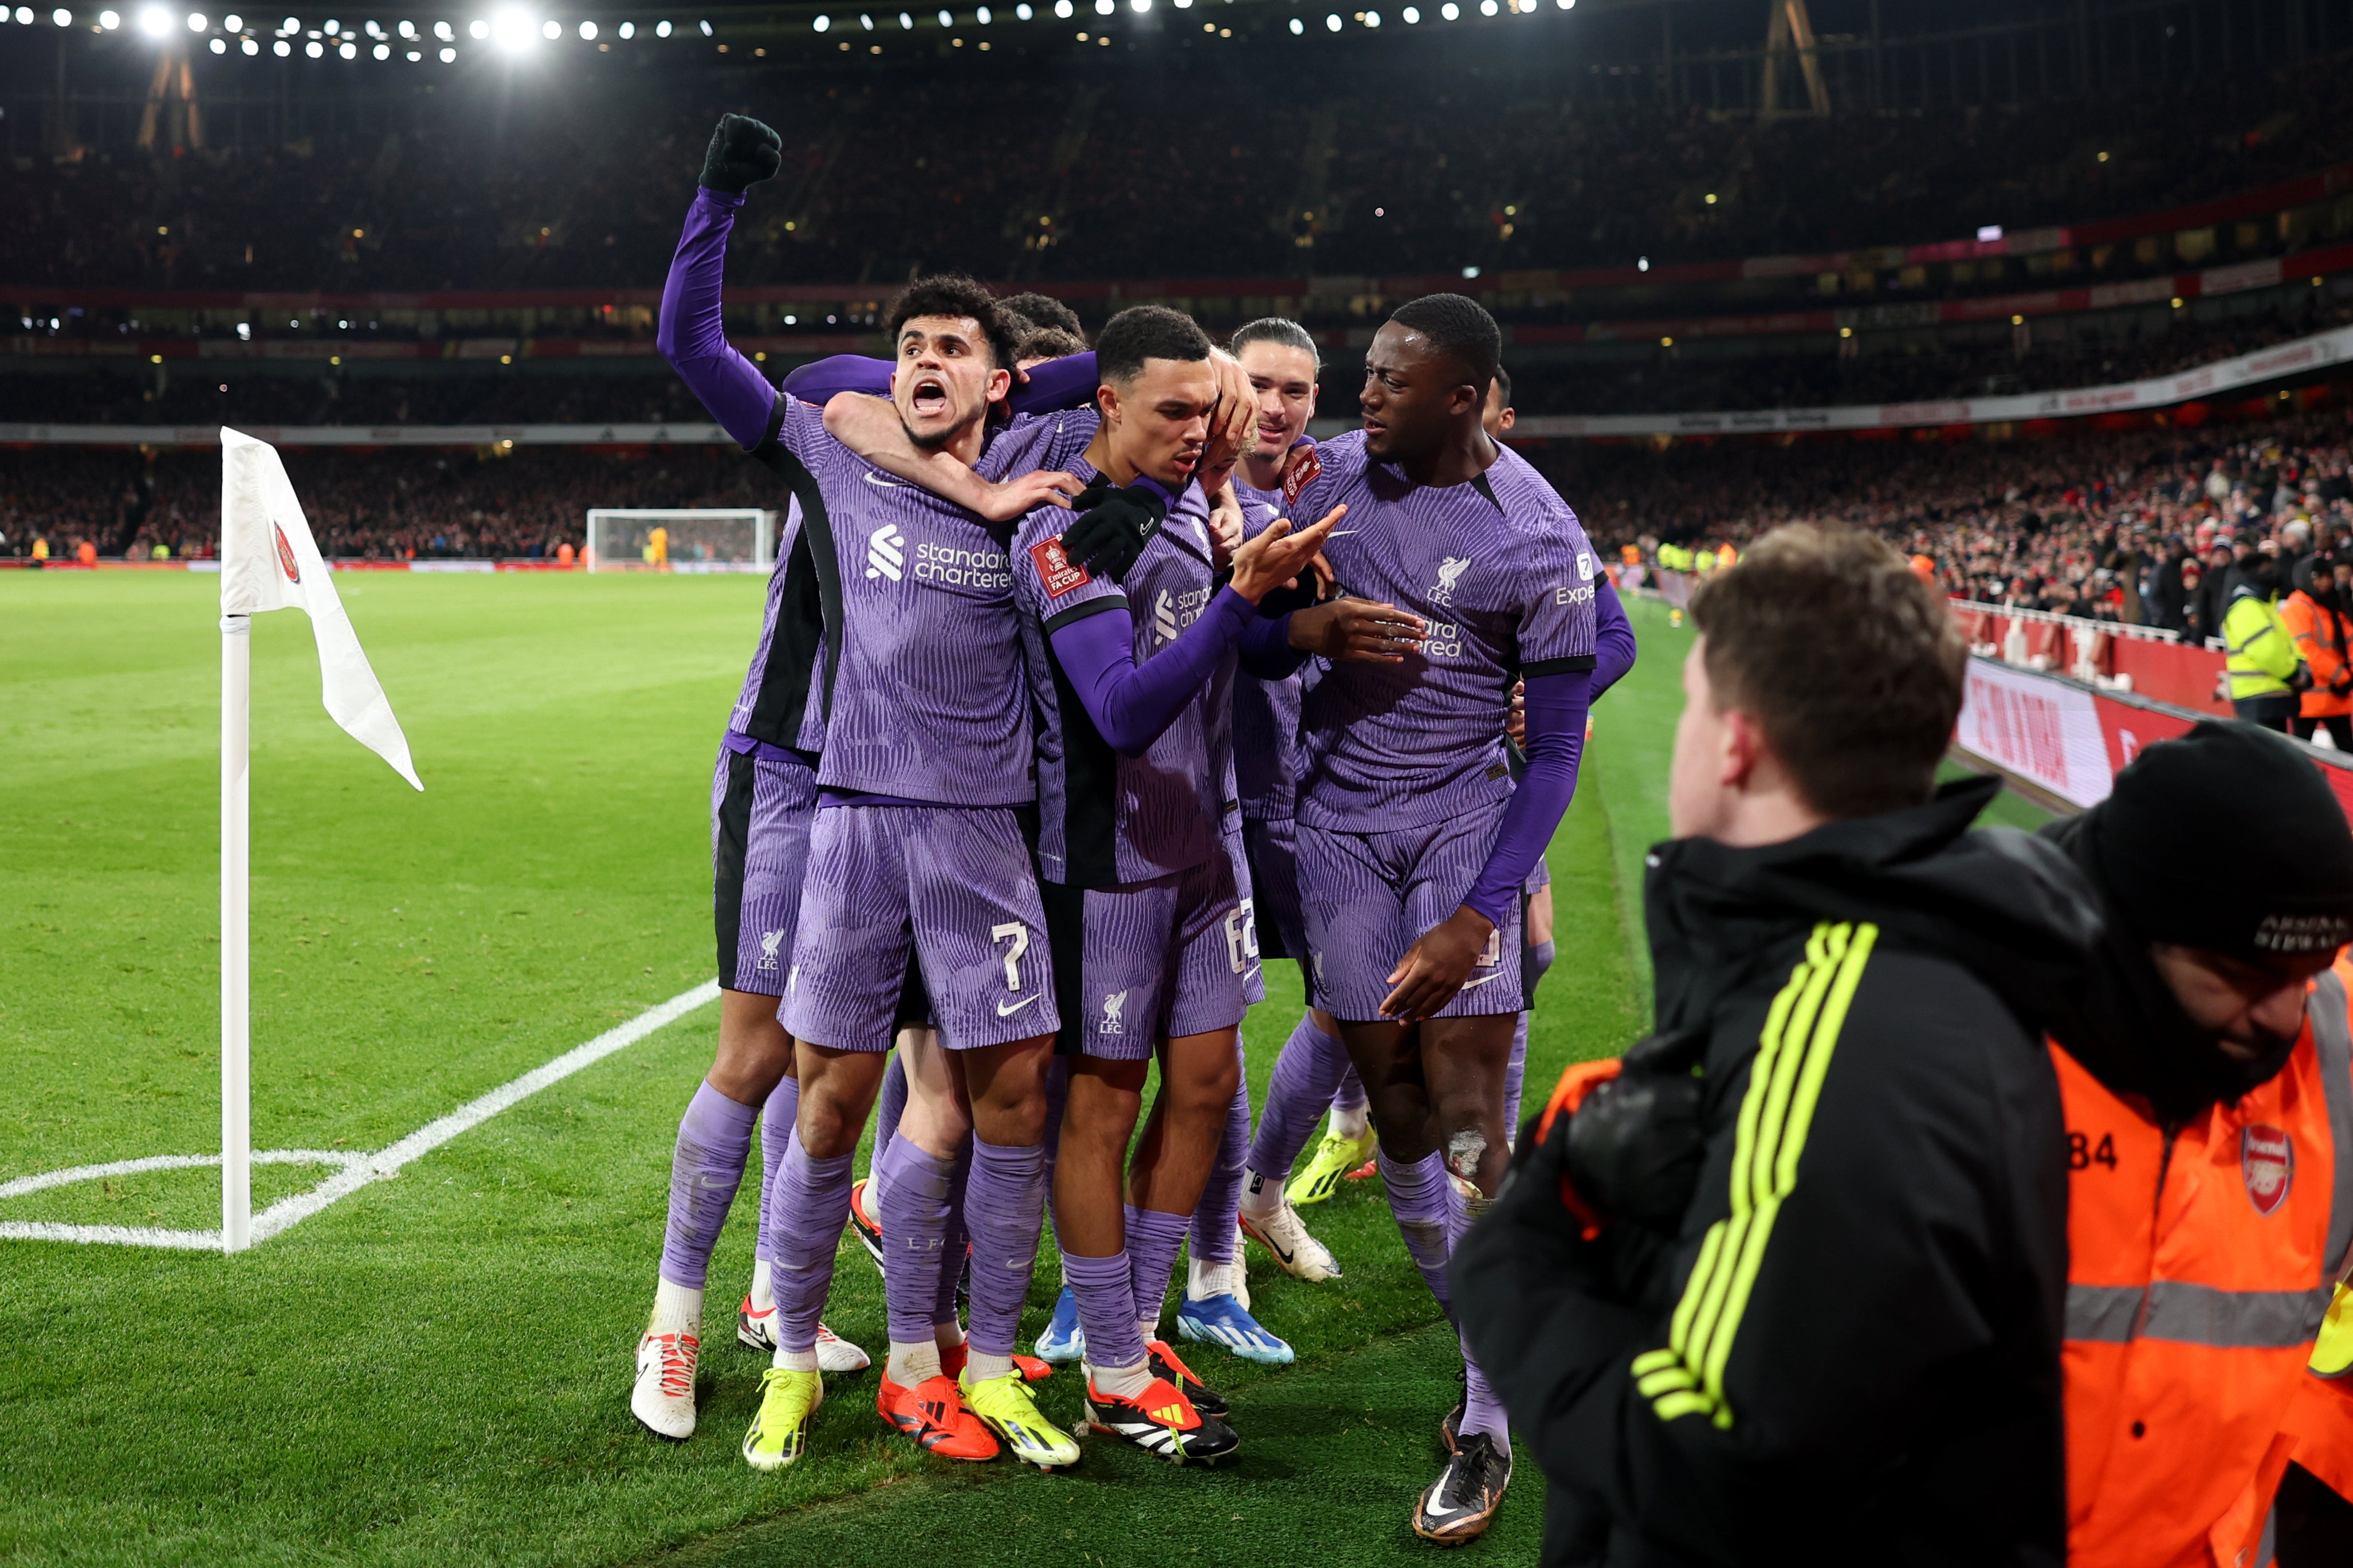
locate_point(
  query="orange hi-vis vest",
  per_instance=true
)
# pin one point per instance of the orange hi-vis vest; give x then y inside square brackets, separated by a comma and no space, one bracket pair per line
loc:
[2199,1264]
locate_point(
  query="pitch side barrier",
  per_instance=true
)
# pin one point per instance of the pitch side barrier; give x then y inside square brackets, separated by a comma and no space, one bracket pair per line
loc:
[2064,741]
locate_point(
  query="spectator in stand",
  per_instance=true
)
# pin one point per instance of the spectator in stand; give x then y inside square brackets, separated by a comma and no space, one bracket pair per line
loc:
[2315,616]
[2167,607]
[2212,596]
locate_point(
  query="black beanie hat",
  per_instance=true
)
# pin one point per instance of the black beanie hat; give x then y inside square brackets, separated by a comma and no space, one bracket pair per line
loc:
[2230,839]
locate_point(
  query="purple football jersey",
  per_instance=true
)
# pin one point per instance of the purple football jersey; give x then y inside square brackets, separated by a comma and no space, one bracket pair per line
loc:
[781,703]
[1105,819]
[923,673]
[1501,569]
[1266,712]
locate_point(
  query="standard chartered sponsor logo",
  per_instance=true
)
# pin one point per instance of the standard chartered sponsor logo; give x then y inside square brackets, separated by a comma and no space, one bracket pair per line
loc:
[886,552]
[1172,612]
[957,567]
[1443,640]
[1164,616]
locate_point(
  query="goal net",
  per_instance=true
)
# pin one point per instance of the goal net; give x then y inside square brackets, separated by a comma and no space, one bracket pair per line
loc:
[696,539]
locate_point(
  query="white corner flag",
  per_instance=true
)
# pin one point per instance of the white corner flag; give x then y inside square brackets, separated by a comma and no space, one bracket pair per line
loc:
[268,562]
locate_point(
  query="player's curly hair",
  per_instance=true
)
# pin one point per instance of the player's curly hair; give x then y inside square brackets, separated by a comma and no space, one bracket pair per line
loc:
[1460,328]
[954,294]
[1277,330]
[1045,311]
[1051,343]
[1147,332]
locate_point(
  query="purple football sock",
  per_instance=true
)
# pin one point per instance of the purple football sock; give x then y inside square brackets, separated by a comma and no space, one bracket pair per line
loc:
[1212,1234]
[1105,1291]
[1515,1072]
[914,1221]
[953,1250]
[1152,1239]
[892,1105]
[807,1203]
[706,1166]
[1423,1201]
[1481,1411]
[1350,1095]
[1004,1206]
[777,1118]
[1305,1074]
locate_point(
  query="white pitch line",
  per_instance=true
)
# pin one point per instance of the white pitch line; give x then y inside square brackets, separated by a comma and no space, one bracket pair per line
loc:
[356,1170]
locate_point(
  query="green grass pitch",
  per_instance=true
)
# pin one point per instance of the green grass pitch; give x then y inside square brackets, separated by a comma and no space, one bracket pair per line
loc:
[436,1369]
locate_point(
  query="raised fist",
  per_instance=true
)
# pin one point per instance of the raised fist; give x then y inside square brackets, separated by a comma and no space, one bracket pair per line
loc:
[743,153]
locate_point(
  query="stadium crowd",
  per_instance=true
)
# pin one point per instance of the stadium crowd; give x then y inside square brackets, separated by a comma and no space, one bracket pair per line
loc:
[523,504]
[2143,527]
[1082,182]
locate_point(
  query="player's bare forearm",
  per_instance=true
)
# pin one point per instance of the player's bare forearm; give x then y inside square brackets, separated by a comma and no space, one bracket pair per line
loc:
[1434,968]
[1356,631]
[871,427]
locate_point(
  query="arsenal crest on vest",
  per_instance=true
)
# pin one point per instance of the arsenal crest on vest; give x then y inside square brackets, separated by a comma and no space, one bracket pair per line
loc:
[2267,1161]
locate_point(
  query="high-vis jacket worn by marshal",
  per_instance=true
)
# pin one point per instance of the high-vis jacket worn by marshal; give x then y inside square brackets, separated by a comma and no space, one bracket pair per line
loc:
[2201,1258]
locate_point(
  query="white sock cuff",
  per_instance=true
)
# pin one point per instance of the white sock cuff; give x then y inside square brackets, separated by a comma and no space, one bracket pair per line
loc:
[1351,1121]
[678,1309]
[1203,1280]
[912,1363]
[980,1366]
[794,1361]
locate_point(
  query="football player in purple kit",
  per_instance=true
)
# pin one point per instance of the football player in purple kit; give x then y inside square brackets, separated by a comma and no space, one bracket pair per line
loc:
[1414,844]
[1131,674]
[762,796]
[916,846]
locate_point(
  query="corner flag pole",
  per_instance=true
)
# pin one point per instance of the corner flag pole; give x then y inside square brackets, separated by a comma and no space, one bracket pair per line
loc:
[236,1080]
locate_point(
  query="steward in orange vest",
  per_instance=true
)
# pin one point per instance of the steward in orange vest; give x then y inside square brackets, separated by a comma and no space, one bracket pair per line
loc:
[2208,1082]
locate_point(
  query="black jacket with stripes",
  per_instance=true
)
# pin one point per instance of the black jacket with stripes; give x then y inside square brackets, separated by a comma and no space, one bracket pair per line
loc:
[1848,1347]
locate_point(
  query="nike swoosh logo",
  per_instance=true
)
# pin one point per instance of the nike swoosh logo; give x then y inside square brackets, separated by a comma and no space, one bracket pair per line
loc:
[1472,985]
[1004,1012]
[871,477]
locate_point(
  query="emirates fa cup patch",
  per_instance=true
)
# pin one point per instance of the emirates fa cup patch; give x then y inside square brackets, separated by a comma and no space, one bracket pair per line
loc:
[1057,573]
[2267,1161]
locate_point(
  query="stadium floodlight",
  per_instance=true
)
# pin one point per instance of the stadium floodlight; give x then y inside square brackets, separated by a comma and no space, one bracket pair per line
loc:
[333,28]
[1410,15]
[314,48]
[221,46]
[1139,6]
[821,24]
[109,20]
[982,16]
[1106,7]
[551,30]
[512,28]
[248,48]
[25,15]
[1642,264]
[705,26]
[1062,9]
[281,48]
[478,30]
[350,51]
[661,29]
[1372,18]
[947,19]
[443,31]
[154,21]
[1487,7]
[449,56]
[383,51]
[1295,27]
[1331,22]
[372,28]
[629,30]
[906,23]
[701,538]
[198,21]
[61,16]
[233,23]
[1469,272]
[587,32]
[1450,11]
[407,29]
[1022,13]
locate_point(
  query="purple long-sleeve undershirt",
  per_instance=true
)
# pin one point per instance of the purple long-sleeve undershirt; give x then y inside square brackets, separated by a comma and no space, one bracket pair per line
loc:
[1132,703]
[1614,637]
[1067,383]
[692,334]
[1556,708]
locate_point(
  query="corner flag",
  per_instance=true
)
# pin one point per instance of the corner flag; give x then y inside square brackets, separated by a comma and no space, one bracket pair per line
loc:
[268,560]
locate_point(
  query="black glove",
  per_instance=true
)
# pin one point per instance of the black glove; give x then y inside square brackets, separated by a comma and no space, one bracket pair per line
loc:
[743,153]
[2302,679]
[1113,526]
[1635,1145]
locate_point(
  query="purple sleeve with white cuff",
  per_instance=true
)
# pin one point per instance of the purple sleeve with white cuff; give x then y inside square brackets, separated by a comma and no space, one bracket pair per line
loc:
[1556,708]
[692,334]
[1132,703]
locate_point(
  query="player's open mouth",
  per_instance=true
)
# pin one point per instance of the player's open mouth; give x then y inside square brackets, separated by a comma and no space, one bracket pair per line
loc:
[930,397]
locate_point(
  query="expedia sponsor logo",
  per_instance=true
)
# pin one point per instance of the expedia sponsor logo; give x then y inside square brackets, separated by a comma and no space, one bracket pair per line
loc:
[956,567]
[2302,933]
[1580,594]
[2267,1162]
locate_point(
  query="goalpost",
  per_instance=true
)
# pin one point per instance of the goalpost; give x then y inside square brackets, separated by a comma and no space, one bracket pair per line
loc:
[697,539]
